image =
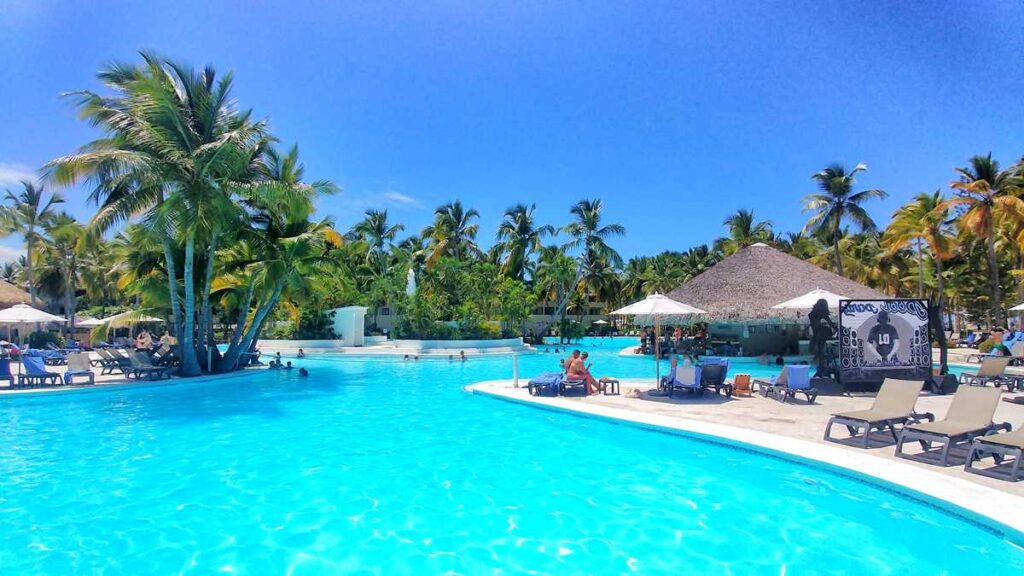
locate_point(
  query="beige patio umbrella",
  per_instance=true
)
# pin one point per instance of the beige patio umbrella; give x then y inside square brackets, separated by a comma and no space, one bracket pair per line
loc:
[657,305]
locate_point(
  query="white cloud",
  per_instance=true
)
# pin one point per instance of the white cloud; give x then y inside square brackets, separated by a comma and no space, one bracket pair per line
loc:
[368,200]
[400,199]
[14,173]
[10,253]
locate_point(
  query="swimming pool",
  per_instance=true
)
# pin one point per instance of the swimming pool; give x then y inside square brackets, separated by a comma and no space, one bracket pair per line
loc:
[387,466]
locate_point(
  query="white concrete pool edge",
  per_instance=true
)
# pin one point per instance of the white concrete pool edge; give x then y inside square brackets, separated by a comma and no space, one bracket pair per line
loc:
[988,503]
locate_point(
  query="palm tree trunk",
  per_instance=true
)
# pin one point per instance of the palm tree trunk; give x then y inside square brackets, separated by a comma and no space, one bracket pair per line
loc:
[993,266]
[172,287]
[189,361]
[205,315]
[243,314]
[230,359]
[30,245]
[940,304]
[920,269]
[839,258]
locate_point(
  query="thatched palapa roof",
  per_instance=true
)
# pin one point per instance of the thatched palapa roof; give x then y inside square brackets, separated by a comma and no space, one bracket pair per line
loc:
[747,284]
[11,295]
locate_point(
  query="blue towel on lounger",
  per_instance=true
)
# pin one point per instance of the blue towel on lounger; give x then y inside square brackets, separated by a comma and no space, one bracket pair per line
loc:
[549,380]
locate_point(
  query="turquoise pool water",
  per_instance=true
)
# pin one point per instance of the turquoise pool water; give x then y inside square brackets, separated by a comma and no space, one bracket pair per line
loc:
[386,466]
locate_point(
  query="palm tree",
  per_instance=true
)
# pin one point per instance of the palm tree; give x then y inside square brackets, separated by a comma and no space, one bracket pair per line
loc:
[453,232]
[836,203]
[10,272]
[175,145]
[587,232]
[920,222]
[66,239]
[28,214]
[518,238]
[988,194]
[378,234]
[744,230]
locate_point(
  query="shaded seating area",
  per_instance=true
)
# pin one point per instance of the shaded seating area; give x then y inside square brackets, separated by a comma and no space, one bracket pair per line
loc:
[969,416]
[794,378]
[893,406]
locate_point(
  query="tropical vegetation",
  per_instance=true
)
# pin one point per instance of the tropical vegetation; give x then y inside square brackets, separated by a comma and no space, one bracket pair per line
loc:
[204,220]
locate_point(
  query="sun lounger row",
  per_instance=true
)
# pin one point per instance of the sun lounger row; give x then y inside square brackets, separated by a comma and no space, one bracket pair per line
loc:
[968,424]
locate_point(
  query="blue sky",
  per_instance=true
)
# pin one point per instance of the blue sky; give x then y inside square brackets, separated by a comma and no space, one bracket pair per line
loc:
[676,114]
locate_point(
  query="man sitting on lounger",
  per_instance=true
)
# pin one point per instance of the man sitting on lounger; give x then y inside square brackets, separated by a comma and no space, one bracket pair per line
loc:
[578,369]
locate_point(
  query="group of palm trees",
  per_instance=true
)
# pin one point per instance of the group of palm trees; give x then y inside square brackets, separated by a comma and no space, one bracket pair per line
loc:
[202,219]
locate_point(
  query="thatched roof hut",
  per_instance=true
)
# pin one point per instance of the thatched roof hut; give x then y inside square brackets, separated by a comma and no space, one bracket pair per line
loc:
[747,284]
[11,295]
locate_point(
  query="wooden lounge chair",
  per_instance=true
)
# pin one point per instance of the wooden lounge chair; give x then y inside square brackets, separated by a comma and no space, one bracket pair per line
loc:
[741,385]
[78,365]
[793,378]
[999,446]
[141,365]
[970,415]
[992,371]
[893,406]
[36,373]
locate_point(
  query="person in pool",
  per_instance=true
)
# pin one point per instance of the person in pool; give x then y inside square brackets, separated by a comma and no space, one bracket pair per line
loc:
[288,365]
[303,372]
[462,355]
[302,353]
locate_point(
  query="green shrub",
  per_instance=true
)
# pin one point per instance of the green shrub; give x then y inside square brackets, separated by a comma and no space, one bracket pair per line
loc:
[282,331]
[42,338]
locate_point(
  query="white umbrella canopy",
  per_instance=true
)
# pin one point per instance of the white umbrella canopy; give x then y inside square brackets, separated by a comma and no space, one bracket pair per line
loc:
[127,319]
[25,314]
[90,322]
[657,305]
[807,301]
[599,322]
[1017,308]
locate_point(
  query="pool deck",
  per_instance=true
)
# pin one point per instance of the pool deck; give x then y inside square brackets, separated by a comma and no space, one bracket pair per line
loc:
[797,428]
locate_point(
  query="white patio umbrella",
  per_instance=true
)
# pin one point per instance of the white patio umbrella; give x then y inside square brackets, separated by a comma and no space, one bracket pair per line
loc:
[25,314]
[657,305]
[127,319]
[1017,308]
[599,322]
[90,323]
[807,301]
